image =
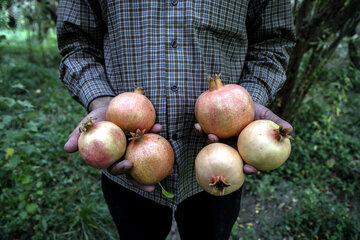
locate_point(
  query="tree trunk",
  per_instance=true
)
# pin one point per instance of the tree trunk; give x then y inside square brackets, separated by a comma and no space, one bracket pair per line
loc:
[320,27]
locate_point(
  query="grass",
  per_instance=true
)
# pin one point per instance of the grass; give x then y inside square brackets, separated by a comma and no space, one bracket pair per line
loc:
[48,194]
[45,193]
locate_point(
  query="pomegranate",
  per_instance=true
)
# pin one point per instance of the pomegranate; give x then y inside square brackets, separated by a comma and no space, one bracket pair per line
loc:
[152,157]
[264,144]
[101,144]
[224,110]
[131,111]
[219,169]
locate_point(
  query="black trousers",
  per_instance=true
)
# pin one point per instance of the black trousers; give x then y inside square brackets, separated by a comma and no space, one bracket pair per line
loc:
[202,216]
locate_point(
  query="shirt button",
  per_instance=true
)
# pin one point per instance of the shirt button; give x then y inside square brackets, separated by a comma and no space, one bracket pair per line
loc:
[174,88]
[174,43]
[174,136]
[174,2]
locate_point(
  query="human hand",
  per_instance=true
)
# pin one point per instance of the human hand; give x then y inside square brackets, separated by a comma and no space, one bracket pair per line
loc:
[98,108]
[124,166]
[261,112]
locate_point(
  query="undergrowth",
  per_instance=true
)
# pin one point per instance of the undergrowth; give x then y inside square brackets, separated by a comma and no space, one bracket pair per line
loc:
[48,194]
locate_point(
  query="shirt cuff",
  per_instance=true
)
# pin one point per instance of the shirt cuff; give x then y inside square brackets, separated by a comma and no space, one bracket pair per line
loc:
[258,92]
[94,89]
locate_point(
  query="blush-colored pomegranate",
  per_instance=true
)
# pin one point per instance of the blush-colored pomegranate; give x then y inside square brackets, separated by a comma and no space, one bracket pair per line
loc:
[264,144]
[131,111]
[224,110]
[219,169]
[152,157]
[101,143]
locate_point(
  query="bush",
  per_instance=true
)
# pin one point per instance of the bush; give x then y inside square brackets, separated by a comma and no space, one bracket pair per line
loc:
[45,193]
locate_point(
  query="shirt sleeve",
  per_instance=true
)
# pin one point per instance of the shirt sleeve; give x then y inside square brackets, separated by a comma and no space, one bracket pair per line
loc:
[271,37]
[80,42]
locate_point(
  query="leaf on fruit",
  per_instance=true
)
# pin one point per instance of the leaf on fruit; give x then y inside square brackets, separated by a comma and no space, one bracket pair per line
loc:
[165,193]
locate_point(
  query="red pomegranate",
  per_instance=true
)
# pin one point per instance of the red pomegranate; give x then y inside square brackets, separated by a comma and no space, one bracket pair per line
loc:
[152,157]
[101,144]
[131,111]
[224,110]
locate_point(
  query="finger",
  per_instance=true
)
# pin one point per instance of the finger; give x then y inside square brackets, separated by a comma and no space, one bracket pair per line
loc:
[198,129]
[72,143]
[120,167]
[156,128]
[146,188]
[285,125]
[248,169]
[262,112]
[279,121]
[212,138]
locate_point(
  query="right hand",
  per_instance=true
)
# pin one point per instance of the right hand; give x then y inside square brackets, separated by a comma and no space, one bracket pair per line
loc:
[261,112]
[124,166]
[98,108]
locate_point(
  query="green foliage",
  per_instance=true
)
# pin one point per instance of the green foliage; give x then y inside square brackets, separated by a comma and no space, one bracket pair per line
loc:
[322,176]
[45,193]
[320,215]
[48,194]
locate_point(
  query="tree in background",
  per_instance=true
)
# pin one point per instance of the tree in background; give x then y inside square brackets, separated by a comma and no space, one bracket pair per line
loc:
[321,26]
[37,16]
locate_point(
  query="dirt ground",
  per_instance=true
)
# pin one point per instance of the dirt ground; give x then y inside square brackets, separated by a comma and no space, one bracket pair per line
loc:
[253,212]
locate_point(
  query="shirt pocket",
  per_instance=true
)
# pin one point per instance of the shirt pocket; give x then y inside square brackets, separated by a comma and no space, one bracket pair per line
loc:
[223,18]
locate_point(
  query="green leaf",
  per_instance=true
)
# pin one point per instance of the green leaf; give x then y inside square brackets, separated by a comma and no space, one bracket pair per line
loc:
[13,162]
[165,193]
[32,126]
[6,120]
[9,153]
[18,86]
[23,215]
[6,102]
[26,179]
[25,104]
[31,208]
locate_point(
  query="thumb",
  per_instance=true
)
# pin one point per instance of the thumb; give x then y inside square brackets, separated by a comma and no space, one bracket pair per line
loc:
[72,143]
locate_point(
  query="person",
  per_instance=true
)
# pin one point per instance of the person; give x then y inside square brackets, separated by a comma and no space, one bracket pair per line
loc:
[170,48]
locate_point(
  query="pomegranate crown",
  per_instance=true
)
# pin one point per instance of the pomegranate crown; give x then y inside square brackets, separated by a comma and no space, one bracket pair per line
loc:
[219,183]
[215,82]
[283,133]
[85,126]
[139,90]
[137,135]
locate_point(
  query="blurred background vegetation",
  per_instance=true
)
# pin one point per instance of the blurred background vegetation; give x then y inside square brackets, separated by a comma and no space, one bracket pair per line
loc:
[48,194]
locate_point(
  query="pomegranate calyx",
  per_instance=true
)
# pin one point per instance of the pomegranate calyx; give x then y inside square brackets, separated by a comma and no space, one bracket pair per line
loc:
[137,135]
[282,133]
[215,82]
[139,90]
[219,183]
[85,126]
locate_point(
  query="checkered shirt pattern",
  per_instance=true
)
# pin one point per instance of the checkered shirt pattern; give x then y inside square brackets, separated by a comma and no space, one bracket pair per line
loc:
[170,48]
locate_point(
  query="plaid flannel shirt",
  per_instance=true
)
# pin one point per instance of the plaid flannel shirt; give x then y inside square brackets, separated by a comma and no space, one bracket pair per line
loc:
[170,48]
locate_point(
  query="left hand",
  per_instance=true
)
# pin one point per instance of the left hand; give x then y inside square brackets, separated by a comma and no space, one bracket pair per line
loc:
[261,112]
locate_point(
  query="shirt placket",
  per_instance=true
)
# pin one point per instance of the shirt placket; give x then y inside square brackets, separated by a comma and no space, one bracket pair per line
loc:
[173,70]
